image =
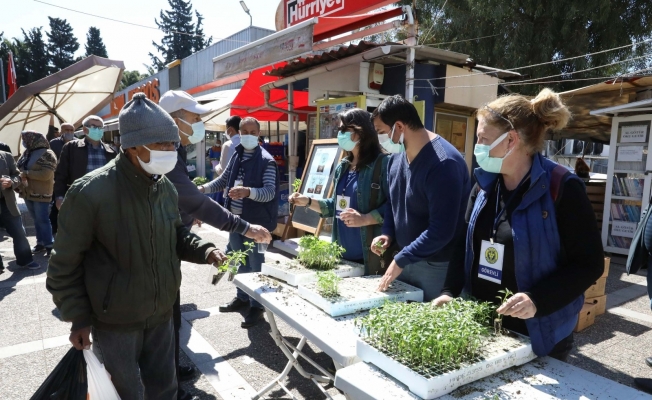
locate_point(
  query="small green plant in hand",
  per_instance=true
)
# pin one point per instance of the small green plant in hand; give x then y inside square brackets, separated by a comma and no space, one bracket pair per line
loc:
[498,321]
[328,284]
[233,261]
[200,180]
[318,254]
[296,185]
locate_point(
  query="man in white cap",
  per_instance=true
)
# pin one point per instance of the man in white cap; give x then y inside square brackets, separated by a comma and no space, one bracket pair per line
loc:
[193,205]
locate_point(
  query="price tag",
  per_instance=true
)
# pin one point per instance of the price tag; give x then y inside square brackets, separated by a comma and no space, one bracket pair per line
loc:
[238,183]
[491,262]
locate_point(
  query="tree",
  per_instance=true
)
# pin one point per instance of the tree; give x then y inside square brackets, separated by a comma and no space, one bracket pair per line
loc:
[33,59]
[181,36]
[130,77]
[94,44]
[62,44]
[529,32]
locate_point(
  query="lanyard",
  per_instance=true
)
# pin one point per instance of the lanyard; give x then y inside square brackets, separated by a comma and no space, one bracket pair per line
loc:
[499,214]
[349,180]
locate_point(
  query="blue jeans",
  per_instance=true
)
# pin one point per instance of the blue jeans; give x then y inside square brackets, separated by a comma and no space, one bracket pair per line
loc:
[426,275]
[40,212]
[254,262]
[15,229]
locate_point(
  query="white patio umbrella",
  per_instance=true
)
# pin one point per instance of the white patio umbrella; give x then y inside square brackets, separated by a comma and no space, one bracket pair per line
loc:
[221,104]
[71,94]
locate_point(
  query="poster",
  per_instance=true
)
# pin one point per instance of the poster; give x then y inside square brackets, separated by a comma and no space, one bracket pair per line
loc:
[320,171]
[630,153]
[633,134]
[458,135]
[329,122]
[623,229]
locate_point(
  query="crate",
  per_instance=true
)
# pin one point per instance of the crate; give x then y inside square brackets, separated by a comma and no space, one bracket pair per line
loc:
[607,263]
[586,317]
[295,274]
[597,289]
[599,302]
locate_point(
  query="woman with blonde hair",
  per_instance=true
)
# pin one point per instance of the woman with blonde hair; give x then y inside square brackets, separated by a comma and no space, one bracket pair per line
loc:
[531,228]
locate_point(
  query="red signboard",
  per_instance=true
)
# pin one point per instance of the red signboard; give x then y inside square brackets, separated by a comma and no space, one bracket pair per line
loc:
[300,10]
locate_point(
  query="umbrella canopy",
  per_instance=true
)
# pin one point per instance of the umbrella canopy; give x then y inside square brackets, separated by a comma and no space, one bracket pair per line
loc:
[221,104]
[73,93]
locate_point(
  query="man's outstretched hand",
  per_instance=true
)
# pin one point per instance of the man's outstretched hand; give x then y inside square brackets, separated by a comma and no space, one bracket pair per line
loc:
[259,234]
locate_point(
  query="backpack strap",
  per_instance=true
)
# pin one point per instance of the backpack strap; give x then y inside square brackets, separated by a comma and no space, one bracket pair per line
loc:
[559,174]
[375,183]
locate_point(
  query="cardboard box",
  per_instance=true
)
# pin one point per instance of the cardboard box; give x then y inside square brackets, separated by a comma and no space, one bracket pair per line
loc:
[599,302]
[597,289]
[586,318]
[607,262]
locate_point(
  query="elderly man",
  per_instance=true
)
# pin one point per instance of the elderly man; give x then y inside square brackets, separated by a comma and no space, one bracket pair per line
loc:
[253,181]
[115,268]
[67,134]
[193,205]
[79,157]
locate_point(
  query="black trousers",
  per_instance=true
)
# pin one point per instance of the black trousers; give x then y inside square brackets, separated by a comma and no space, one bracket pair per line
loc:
[54,216]
[176,317]
[562,350]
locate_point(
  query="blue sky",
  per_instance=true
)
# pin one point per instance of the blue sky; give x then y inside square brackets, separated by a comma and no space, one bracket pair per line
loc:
[128,43]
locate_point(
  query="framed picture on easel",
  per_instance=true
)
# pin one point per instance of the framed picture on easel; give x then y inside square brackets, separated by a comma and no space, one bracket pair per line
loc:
[317,183]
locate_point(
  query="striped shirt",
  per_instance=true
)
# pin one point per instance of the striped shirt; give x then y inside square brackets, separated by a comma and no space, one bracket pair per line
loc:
[261,195]
[96,157]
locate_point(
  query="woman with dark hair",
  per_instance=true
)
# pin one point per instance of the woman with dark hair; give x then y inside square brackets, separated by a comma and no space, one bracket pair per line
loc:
[360,183]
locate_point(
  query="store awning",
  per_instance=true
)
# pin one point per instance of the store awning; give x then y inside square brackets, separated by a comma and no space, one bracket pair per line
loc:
[251,100]
[327,27]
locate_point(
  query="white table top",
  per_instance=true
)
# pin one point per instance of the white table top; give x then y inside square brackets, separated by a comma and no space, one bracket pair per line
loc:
[334,336]
[543,378]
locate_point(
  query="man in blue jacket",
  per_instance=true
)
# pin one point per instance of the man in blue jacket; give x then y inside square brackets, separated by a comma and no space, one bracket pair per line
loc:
[429,186]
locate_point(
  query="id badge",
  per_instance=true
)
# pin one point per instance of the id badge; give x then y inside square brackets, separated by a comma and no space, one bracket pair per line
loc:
[342,203]
[491,262]
[238,183]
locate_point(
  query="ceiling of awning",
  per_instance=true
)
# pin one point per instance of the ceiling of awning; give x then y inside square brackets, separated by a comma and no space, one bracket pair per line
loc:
[582,101]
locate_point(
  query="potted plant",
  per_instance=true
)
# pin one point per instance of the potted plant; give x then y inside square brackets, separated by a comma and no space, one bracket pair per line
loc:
[230,266]
[200,180]
[318,254]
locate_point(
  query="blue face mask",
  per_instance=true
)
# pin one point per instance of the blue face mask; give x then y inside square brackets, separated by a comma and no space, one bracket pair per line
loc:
[389,145]
[345,142]
[95,133]
[485,161]
[198,131]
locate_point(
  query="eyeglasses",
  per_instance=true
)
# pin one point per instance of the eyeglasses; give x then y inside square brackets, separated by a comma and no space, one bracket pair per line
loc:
[497,114]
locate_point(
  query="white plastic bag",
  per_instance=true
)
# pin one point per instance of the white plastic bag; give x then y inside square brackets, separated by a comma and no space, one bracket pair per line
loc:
[99,380]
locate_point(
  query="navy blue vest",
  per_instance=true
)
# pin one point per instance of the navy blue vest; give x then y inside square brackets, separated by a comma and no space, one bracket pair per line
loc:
[255,212]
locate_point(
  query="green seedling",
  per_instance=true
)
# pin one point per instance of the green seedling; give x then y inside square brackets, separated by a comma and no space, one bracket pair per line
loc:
[429,340]
[296,185]
[318,254]
[379,246]
[200,180]
[233,261]
[498,321]
[328,284]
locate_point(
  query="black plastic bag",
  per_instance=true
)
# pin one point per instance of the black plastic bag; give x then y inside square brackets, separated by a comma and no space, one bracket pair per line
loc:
[67,381]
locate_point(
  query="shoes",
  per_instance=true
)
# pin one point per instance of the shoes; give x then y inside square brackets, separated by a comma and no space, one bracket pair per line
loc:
[183,395]
[32,265]
[644,384]
[2,269]
[648,361]
[38,248]
[48,251]
[187,373]
[252,318]
[234,305]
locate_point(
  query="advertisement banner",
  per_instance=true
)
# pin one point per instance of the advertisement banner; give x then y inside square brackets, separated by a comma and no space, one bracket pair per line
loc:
[297,11]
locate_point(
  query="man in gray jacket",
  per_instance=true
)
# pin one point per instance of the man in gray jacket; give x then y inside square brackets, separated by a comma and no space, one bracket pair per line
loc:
[193,205]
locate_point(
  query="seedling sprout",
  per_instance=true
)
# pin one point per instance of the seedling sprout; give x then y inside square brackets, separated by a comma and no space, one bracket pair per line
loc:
[328,284]
[233,261]
[498,321]
[318,254]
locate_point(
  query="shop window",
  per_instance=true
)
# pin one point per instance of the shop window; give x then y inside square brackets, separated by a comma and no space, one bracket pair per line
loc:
[452,128]
[175,77]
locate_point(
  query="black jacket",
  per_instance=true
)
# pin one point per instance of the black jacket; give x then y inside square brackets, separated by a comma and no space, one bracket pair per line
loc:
[72,164]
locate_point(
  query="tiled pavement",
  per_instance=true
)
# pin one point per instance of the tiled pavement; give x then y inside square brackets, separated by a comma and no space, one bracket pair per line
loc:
[33,339]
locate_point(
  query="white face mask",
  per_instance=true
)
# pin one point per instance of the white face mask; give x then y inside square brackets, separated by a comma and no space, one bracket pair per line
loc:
[160,162]
[198,131]
[249,142]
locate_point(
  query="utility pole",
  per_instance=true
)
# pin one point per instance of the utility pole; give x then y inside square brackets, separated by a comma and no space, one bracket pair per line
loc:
[2,74]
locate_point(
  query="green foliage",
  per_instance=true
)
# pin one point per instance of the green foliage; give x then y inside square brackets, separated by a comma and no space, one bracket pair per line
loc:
[94,44]
[318,254]
[62,44]
[235,258]
[182,37]
[200,180]
[130,77]
[328,284]
[31,57]
[296,185]
[498,321]
[530,32]
[430,340]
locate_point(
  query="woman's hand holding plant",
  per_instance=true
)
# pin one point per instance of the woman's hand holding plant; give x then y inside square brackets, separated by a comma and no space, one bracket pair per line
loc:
[380,244]
[390,276]
[518,306]
[298,199]
[353,219]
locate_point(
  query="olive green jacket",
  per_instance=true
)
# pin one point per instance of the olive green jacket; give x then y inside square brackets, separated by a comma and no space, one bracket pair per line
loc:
[116,259]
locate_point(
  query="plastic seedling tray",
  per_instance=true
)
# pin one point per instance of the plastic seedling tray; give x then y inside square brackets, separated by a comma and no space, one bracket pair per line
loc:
[359,294]
[500,353]
[296,274]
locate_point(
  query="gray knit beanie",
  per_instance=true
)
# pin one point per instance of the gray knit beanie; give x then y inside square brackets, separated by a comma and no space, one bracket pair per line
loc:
[143,122]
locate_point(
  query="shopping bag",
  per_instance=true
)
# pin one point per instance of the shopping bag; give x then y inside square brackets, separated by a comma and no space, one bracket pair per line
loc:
[67,381]
[99,380]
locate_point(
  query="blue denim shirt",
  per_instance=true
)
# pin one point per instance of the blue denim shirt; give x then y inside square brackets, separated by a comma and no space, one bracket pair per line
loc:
[364,196]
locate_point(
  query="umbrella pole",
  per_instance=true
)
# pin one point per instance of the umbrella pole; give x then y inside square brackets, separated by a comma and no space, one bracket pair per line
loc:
[51,109]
